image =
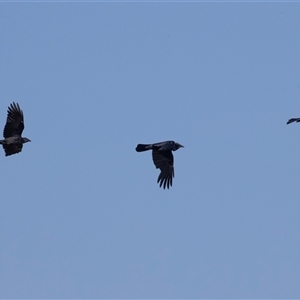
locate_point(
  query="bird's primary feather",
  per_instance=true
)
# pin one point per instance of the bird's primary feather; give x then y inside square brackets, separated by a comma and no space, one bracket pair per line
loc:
[15,121]
[293,120]
[164,160]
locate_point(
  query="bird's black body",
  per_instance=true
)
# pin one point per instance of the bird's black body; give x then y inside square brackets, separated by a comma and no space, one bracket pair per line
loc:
[293,120]
[163,160]
[13,140]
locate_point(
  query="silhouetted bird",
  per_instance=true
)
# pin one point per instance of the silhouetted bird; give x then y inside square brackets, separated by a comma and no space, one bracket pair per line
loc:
[13,141]
[163,159]
[293,120]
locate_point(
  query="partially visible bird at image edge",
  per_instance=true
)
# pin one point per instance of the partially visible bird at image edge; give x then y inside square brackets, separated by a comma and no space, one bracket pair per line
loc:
[13,140]
[163,159]
[293,120]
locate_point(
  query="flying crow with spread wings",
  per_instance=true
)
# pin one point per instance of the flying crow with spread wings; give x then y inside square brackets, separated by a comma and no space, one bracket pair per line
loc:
[13,141]
[163,160]
[293,120]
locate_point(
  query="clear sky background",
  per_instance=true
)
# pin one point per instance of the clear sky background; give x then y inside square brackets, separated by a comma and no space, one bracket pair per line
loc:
[81,213]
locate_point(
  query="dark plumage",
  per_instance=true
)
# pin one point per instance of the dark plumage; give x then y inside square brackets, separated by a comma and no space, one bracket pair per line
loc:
[163,160]
[13,140]
[293,120]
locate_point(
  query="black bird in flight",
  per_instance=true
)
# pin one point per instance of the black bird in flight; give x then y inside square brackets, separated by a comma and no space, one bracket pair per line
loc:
[163,160]
[13,141]
[293,120]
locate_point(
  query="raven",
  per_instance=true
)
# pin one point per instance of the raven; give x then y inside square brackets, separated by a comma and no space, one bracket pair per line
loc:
[13,141]
[163,159]
[293,120]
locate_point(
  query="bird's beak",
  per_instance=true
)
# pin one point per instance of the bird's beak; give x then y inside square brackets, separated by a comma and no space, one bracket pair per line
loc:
[181,146]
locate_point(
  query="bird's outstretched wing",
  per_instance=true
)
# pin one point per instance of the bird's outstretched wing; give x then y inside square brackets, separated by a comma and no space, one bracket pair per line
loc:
[293,120]
[164,161]
[12,148]
[15,121]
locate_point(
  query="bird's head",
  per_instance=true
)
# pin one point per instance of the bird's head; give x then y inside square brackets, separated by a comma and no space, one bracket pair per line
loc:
[177,145]
[25,140]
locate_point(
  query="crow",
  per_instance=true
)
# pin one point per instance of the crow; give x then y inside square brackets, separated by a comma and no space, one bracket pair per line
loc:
[293,120]
[13,141]
[163,159]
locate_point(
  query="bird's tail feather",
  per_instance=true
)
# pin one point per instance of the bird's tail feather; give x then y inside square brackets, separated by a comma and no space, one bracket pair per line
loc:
[143,147]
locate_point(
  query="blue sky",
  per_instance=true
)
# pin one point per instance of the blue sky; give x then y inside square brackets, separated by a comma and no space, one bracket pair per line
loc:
[81,213]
